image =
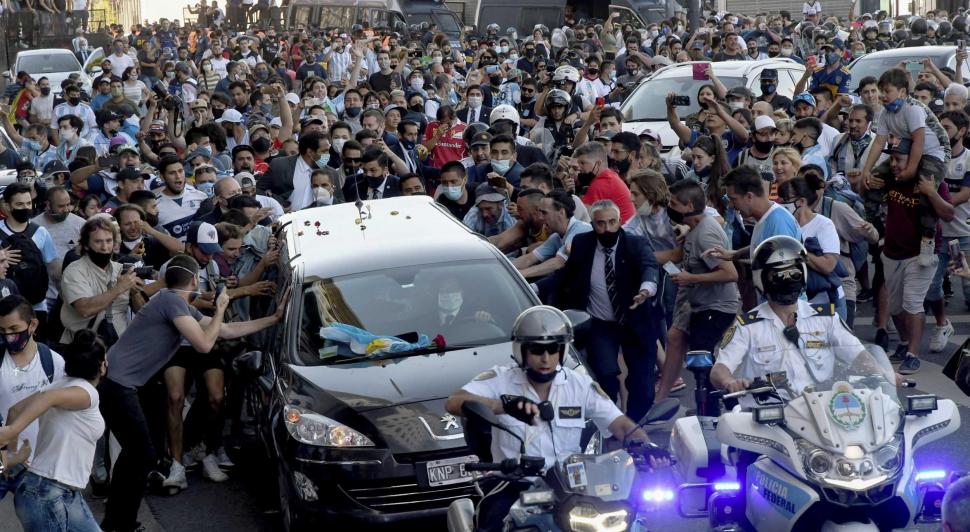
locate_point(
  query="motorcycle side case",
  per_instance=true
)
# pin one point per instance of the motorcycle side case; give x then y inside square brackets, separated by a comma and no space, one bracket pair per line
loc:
[536,519]
[694,443]
[775,499]
[461,516]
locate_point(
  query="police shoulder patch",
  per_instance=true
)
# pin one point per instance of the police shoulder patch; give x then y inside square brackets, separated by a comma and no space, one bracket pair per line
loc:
[486,375]
[728,335]
[825,310]
[596,388]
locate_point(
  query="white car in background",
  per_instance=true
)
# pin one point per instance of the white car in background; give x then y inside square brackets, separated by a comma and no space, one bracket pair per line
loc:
[646,107]
[55,64]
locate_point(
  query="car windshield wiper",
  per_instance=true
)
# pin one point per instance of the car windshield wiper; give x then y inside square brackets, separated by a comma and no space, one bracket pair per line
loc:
[401,354]
[646,120]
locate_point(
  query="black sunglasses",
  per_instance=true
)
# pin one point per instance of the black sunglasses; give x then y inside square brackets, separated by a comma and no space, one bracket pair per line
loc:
[538,348]
[353,159]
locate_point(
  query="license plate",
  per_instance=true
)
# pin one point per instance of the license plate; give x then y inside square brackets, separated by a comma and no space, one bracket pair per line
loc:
[449,471]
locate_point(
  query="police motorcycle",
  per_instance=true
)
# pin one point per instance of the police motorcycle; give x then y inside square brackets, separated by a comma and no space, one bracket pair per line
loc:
[585,493]
[836,455]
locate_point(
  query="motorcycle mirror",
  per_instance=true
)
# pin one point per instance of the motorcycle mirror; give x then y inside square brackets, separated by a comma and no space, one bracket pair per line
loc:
[662,411]
[581,323]
[476,411]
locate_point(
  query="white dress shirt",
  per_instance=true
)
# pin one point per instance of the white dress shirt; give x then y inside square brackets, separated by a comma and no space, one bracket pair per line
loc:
[302,195]
[600,306]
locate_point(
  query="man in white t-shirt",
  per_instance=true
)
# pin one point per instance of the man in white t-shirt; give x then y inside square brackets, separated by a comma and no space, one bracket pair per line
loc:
[120,61]
[25,369]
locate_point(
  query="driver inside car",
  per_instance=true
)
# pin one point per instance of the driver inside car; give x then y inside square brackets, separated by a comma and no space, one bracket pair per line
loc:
[538,383]
[786,333]
[452,306]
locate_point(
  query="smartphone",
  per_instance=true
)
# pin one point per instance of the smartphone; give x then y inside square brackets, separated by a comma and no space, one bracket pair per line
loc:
[960,44]
[145,272]
[671,268]
[600,101]
[914,67]
[491,69]
[681,101]
[126,268]
[267,89]
[954,249]
[699,71]
[220,286]
[811,61]
[108,161]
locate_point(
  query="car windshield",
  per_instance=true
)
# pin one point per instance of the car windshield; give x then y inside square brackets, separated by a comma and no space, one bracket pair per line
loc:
[446,21]
[875,66]
[648,102]
[48,63]
[467,303]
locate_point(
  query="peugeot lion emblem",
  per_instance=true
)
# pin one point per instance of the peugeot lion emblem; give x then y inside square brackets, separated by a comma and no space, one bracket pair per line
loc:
[449,421]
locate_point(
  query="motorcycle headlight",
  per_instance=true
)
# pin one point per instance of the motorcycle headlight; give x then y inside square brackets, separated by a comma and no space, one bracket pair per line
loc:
[311,428]
[888,458]
[587,517]
[817,462]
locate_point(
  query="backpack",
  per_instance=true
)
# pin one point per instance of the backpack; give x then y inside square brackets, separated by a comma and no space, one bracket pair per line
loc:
[859,251]
[30,273]
[46,360]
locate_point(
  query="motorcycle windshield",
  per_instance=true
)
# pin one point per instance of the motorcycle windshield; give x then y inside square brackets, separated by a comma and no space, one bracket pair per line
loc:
[857,406]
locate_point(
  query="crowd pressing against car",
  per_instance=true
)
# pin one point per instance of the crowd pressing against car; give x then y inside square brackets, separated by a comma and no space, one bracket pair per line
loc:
[139,241]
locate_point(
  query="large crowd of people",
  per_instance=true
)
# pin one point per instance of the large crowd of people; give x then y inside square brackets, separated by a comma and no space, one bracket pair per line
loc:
[139,255]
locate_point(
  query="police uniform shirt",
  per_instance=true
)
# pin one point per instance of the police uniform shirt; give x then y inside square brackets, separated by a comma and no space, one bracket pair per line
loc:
[574,396]
[756,345]
[837,80]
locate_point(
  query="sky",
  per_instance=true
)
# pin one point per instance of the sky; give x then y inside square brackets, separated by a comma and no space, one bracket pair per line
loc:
[170,9]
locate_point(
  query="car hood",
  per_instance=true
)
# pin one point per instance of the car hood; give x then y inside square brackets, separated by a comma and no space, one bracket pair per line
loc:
[380,384]
[417,427]
[57,77]
[667,136]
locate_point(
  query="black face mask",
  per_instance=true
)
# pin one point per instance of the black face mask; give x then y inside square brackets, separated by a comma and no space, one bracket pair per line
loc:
[74,101]
[45,91]
[678,217]
[19,343]
[152,219]
[21,215]
[99,259]
[417,108]
[375,182]
[953,142]
[217,113]
[58,217]
[763,147]
[495,80]
[539,378]
[608,239]
[621,167]
[262,144]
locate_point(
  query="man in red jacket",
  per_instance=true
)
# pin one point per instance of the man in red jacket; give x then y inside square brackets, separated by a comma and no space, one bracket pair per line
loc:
[602,183]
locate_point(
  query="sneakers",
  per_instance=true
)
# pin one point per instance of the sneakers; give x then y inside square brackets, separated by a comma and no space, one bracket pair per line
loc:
[941,335]
[882,339]
[926,252]
[211,471]
[176,479]
[192,458]
[910,365]
[902,350]
[864,296]
[224,461]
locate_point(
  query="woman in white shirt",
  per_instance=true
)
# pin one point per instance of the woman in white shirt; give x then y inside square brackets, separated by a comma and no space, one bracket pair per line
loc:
[134,88]
[50,496]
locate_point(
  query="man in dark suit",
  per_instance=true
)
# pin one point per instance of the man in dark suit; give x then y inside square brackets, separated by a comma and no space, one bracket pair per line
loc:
[375,182]
[288,178]
[612,275]
[475,111]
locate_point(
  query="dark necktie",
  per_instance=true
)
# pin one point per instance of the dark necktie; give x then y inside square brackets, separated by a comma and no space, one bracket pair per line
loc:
[610,276]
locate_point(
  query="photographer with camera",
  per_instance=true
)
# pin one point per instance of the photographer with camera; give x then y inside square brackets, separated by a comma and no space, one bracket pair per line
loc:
[98,291]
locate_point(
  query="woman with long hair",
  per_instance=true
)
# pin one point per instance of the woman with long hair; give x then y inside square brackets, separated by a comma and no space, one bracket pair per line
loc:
[50,497]
[710,165]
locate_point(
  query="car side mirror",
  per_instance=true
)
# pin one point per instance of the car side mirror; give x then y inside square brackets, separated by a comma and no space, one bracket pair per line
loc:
[95,70]
[248,365]
[6,75]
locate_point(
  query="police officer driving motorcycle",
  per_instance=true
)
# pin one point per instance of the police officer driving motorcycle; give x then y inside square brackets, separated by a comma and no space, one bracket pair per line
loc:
[542,402]
[786,333]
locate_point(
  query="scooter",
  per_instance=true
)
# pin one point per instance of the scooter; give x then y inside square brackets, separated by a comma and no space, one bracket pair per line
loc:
[585,492]
[836,455]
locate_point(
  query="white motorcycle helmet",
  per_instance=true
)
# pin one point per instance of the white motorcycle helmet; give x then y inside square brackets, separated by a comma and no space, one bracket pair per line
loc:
[504,112]
[541,324]
[567,73]
[779,269]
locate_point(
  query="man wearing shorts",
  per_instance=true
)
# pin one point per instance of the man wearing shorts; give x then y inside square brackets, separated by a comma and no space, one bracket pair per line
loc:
[907,280]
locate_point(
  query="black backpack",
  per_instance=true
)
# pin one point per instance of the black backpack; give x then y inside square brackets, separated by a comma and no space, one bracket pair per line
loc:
[30,273]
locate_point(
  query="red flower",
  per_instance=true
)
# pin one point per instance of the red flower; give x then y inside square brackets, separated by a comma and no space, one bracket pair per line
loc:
[317,223]
[439,341]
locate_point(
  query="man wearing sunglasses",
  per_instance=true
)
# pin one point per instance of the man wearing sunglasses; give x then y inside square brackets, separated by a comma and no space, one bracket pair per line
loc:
[786,333]
[541,401]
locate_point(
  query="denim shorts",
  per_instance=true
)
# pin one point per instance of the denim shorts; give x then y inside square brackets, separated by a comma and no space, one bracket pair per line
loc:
[45,505]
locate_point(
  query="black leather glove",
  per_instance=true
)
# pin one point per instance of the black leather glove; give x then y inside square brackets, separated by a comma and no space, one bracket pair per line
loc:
[510,404]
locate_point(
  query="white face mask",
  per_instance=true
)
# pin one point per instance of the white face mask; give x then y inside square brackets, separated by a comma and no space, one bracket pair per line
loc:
[417,83]
[790,207]
[786,52]
[735,105]
[645,209]
[338,144]
[449,302]
[322,196]
[474,102]
[68,135]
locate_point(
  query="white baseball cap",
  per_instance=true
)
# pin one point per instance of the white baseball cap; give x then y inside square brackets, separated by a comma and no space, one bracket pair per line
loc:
[230,115]
[764,122]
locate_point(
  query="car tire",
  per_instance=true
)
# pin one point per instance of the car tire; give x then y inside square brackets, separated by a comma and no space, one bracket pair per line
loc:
[293,519]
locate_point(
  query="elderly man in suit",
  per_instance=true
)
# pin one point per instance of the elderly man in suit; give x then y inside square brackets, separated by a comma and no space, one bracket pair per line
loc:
[288,178]
[612,275]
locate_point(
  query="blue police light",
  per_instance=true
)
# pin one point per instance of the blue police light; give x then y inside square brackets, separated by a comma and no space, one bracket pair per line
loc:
[930,474]
[727,486]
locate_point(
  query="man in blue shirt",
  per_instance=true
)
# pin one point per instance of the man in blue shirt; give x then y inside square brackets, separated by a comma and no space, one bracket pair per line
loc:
[748,194]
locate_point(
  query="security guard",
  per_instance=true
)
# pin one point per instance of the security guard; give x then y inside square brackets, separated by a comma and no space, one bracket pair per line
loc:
[786,333]
[540,336]
[833,76]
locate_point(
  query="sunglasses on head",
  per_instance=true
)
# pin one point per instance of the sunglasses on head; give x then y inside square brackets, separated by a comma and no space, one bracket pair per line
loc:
[539,348]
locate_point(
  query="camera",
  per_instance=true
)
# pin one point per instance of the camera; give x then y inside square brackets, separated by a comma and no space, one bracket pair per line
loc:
[680,101]
[167,100]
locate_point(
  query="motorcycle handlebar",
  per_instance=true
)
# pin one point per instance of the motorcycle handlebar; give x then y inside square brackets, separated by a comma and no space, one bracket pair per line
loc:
[483,466]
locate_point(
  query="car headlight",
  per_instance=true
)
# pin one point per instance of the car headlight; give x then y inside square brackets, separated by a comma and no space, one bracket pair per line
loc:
[585,517]
[311,428]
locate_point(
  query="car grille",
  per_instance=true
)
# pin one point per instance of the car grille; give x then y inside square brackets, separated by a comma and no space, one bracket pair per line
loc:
[403,496]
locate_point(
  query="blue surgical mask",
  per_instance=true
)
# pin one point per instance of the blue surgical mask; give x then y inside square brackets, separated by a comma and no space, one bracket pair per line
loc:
[501,167]
[452,193]
[832,58]
[266,108]
[323,160]
[208,188]
[894,105]
[31,145]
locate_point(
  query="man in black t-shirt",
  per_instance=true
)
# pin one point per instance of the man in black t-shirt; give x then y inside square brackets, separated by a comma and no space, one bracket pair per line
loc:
[454,193]
[387,79]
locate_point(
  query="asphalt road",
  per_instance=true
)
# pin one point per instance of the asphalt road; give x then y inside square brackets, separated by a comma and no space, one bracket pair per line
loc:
[248,501]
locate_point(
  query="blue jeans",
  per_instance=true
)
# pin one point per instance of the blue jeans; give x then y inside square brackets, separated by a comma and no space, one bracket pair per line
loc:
[46,506]
[10,481]
[935,293]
